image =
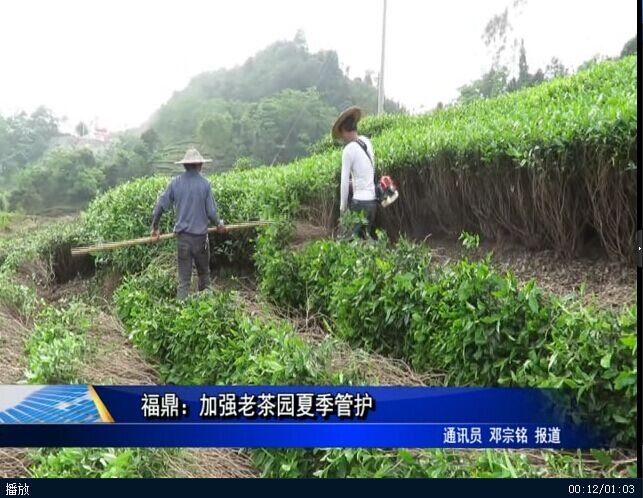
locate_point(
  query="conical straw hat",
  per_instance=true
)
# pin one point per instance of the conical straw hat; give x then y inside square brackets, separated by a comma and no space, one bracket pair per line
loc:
[193,156]
[354,111]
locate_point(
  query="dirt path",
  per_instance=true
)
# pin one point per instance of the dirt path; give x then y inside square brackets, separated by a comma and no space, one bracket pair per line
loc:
[117,361]
[114,361]
[373,368]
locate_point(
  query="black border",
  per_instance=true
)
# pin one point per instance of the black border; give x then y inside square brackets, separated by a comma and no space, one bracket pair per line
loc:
[470,486]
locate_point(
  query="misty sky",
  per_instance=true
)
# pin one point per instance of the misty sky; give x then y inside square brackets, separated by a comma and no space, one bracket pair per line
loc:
[119,60]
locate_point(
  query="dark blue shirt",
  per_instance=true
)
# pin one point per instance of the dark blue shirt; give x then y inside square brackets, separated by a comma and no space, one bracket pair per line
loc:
[191,195]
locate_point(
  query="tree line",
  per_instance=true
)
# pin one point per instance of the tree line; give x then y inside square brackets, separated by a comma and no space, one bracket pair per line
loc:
[504,45]
[67,178]
[269,110]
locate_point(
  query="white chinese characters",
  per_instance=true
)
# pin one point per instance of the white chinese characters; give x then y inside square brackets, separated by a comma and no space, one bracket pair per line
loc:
[16,489]
[501,436]
[283,405]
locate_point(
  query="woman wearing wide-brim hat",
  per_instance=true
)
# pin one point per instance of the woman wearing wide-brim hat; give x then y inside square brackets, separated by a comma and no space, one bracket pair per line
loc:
[358,166]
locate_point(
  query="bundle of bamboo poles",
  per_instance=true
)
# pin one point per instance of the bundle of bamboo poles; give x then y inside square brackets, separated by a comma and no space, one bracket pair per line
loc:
[110,246]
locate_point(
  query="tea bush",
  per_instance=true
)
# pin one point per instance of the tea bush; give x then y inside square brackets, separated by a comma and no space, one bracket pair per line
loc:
[476,326]
[99,462]
[554,157]
[58,344]
[212,339]
[42,245]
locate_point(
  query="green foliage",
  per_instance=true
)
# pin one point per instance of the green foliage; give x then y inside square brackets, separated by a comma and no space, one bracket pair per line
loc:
[593,352]
[292,119]
[4,203]
[18,297]
[555,69]
[362,287]
[469,240]
[630,47]
[215,132]
[592,61]
[127,158]
[65,177]
[68,178]
[42,245]
[243,163]
[20,253]
[476,326]
[496,81]
[210,338]
[282,65]
[593,113]
[348,221]
[151,139]
[5,218]
[99,462]
[39,179]
[24,138]
[278,265]
[434,463]
[255,105]
[492,84]
[125,213]
[58,345]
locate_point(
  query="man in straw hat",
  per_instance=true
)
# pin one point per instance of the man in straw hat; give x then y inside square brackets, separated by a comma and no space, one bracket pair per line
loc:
[358,164]
[191,195]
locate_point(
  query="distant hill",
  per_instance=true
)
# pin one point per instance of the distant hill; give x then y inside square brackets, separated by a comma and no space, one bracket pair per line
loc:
[271,108]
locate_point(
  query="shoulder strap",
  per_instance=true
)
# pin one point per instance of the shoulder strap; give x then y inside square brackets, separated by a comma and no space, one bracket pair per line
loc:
[365,149]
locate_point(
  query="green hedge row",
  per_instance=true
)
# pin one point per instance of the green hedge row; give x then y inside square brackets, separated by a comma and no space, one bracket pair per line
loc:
[56,350]
[29,260]
[564,124]
[59,344]
[211,338]
[465,320]
[99,462]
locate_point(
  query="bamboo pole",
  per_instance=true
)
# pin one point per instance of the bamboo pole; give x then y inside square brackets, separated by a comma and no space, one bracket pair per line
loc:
[110,246]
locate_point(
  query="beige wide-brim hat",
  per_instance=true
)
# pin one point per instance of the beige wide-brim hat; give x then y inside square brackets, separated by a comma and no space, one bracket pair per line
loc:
[193,156]
[353,111]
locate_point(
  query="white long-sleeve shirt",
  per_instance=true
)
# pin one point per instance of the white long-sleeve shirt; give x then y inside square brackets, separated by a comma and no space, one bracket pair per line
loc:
[356,165]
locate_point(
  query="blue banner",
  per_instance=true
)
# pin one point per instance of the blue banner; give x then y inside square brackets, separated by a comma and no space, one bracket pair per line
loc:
[290,416]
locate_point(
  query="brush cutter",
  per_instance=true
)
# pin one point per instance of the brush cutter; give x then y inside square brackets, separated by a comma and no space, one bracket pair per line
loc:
[386,191]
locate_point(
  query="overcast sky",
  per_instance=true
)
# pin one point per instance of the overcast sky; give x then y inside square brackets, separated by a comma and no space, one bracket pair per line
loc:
[119,60]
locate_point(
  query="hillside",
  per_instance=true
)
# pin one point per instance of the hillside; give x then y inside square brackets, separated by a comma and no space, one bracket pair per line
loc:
[550,169]
[272,107]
